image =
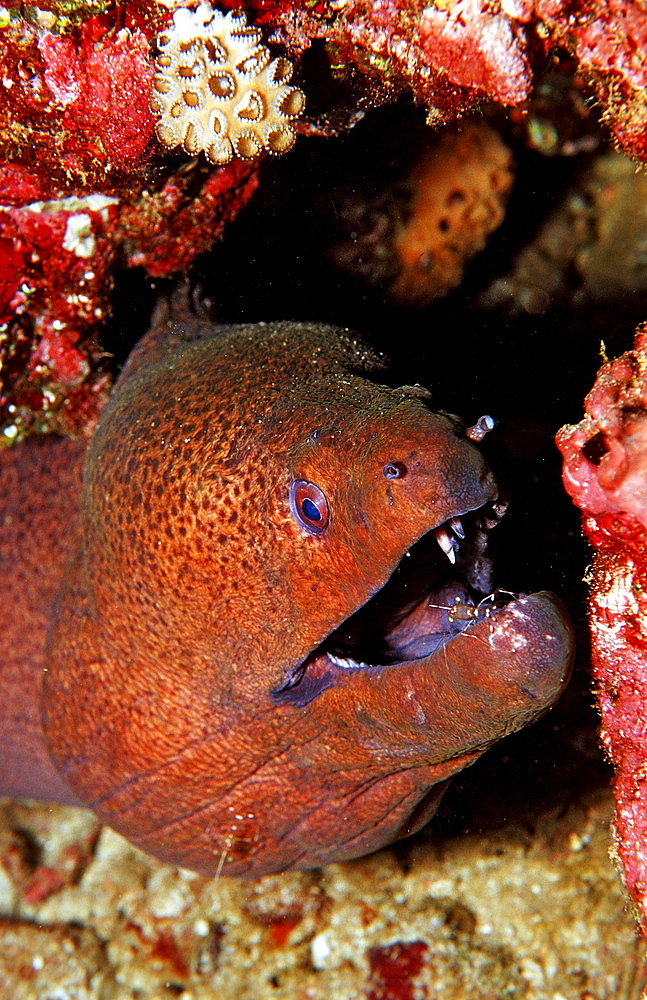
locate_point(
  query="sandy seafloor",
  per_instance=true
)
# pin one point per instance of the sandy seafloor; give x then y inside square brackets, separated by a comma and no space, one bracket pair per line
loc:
[504,914]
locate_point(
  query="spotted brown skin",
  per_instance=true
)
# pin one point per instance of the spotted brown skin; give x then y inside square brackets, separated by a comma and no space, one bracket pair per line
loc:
[247,491]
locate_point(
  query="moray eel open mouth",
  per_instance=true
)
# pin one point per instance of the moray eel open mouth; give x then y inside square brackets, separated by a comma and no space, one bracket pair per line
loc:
[441,589]
[276,637]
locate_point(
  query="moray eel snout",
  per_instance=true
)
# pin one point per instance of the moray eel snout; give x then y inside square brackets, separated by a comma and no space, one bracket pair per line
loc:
[278,635]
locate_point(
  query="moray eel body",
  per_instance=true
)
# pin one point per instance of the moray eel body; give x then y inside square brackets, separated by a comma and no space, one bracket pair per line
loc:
[242,640]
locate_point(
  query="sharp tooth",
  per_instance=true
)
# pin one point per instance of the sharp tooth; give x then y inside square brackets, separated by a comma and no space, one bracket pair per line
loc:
[446,542]
[456,525]
[347,663]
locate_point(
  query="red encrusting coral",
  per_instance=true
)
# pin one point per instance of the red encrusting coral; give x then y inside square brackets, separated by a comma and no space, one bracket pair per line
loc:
[79,195]
[74,108]
[164,231]
[605,472]
[481,48]
[54,296]
[394,969]
[102,85]
[75,121]
[83,190]
[56,263]
[608,39]
[449,54]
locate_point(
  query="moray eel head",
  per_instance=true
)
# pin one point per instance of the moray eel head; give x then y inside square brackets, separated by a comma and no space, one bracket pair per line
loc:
[278,638]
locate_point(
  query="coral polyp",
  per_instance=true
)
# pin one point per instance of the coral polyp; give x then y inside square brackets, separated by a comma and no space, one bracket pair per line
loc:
[218,91]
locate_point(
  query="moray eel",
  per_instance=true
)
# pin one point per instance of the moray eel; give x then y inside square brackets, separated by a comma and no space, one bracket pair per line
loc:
[252,625]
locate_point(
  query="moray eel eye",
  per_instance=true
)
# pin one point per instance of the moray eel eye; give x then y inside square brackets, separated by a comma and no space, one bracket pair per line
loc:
[394,470]
[309,507]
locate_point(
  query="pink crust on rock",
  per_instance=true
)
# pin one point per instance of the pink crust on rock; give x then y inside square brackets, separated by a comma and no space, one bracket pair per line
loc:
[74,107]
[608,39]
[605,472]
[55,267]
[165,231]
[448,53]
[103,85]
[477,49]
[56,264]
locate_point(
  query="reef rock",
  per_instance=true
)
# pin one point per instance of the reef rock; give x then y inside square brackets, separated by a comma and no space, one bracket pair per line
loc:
[454,53]
[605,472]
[83,191]
[500,913]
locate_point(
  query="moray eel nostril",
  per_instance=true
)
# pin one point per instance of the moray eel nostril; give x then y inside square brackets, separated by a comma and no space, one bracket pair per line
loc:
[273,636]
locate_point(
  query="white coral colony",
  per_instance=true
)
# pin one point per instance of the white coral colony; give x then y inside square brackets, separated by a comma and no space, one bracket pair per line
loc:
[218,91]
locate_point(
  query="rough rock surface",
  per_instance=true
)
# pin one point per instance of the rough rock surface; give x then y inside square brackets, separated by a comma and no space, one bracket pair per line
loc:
[538,916]
[605,472]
